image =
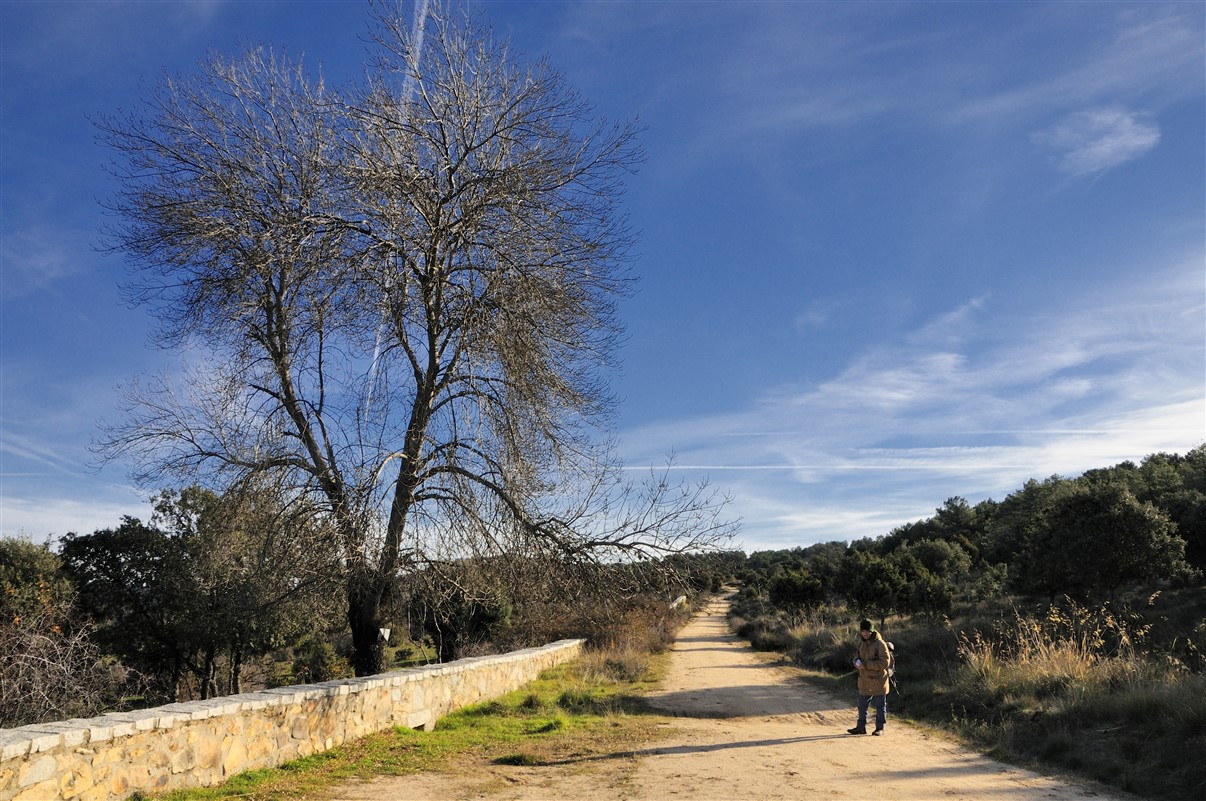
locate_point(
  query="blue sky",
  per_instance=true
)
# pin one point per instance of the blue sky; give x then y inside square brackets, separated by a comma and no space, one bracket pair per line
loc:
[891,253]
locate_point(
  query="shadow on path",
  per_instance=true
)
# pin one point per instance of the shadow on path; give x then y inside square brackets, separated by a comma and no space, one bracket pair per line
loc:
[705,748]
[744,701]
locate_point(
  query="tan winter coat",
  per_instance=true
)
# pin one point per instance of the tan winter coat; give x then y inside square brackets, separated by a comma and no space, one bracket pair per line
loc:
[873,675]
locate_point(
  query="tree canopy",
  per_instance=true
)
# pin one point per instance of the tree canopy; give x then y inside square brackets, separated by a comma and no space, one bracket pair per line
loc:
[1126,526]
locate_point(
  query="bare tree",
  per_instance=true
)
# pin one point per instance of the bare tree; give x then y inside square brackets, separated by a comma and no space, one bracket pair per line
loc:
[409,289]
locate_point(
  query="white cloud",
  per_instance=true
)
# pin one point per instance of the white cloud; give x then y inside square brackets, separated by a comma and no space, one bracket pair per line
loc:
[817,315]
[1150,51]
[38,254]
[1094,141]
[47,518]
[973,403]
[35,455]
[792,74]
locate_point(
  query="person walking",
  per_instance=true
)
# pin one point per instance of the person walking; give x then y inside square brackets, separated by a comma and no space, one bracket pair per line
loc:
[872,667]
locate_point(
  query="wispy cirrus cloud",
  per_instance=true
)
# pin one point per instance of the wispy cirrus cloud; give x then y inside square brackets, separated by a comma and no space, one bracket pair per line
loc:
[48,517]
[33,456]
[1097,140]
[973,403]
[1149,51]
[37,255]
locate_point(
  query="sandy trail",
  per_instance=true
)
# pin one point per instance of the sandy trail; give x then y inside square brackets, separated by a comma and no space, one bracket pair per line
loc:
[747,728]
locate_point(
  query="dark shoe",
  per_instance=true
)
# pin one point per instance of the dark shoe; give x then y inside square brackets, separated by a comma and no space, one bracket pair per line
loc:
[877,732]
[856,730]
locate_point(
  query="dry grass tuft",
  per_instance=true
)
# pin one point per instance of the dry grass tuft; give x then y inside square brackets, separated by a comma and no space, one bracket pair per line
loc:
[1071,646]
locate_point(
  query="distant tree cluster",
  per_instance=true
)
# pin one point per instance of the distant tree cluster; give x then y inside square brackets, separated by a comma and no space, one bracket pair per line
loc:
[1086,538]
[210,584]
[220,594]
[216,593]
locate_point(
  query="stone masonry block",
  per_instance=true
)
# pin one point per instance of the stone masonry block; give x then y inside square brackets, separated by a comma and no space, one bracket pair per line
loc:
[38,792]
[76,781]
[36,770]
[284,695]
[234,757]
[260,700]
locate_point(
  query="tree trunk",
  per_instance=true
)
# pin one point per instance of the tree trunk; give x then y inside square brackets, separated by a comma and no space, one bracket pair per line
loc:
[448,648]
[364,619]
[236,668]
[208,688]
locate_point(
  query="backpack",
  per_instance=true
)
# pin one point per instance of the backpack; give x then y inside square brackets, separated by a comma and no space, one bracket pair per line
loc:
[892,664]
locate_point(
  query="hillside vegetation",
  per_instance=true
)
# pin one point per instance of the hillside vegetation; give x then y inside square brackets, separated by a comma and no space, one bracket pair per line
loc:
[1062,626]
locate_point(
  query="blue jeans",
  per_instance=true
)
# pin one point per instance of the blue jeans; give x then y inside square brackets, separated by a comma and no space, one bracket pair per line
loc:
[881,710]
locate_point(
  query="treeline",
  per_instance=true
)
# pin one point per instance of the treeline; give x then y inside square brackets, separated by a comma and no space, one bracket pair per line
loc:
[1086,538]
[220,594]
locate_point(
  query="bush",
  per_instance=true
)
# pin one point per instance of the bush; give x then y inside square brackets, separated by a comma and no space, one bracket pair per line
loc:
[624,664]
[315,660]
[826,648]
[50,673]
[1138,738]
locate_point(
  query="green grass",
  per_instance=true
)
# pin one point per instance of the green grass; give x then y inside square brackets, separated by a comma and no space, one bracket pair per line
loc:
[590,706]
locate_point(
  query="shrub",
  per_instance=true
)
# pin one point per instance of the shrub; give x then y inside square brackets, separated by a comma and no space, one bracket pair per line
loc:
[49,672]
[315,660]
[1067,648]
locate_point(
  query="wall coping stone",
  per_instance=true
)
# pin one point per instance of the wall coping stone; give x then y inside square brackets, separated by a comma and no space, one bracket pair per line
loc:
[73,734]
[13,743]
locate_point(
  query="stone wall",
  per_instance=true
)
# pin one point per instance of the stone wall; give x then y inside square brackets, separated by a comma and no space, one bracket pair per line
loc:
[202,743]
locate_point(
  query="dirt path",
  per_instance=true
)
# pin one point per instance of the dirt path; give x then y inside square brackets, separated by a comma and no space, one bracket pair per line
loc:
[746,728]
